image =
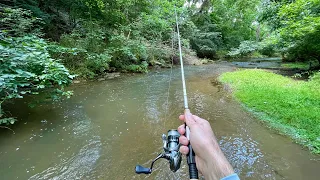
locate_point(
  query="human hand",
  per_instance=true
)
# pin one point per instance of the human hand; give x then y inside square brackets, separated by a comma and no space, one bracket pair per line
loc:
[210,160]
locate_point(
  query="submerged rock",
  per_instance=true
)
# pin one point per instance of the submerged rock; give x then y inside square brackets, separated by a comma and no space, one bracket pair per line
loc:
[166,66]
[204,61]
[154,63]
[112,75]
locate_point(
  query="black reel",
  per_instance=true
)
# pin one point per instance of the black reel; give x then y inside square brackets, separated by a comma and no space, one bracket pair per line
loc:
[171,153]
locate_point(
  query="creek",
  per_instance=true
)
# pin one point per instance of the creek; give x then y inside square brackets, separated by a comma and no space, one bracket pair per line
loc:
[108,127]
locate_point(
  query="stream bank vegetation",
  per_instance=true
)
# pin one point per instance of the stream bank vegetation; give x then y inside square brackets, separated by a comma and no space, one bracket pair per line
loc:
[289,29]
[288,105]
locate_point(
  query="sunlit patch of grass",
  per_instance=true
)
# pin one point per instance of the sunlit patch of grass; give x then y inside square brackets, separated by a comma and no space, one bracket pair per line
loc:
[291,106]
[299,65]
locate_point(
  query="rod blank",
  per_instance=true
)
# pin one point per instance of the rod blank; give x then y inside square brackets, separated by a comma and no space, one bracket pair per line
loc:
[193,171]
[185,97]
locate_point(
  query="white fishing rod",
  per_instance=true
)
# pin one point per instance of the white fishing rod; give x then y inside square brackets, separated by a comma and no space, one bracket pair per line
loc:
[171,141]
[193,171]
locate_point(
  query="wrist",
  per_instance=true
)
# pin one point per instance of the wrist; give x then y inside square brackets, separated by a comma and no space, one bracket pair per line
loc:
[217,165]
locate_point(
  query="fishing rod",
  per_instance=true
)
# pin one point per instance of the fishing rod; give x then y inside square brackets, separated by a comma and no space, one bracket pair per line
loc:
[193,171]
[171,143]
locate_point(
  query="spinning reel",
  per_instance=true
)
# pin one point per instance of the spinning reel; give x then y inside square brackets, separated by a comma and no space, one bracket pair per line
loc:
[171,153]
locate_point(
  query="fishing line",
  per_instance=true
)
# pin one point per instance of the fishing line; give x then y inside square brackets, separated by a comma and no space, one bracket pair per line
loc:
[170,79]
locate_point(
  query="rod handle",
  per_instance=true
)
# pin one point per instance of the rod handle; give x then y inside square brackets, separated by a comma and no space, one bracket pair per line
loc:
[193,171]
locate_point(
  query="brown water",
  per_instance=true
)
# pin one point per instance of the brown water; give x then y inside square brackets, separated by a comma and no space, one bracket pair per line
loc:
[108,127]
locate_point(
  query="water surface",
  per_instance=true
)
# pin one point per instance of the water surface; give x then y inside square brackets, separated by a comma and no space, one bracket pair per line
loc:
[108,127]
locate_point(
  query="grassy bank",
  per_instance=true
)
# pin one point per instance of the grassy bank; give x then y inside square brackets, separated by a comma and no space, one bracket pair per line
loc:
[300,65]
[290,106]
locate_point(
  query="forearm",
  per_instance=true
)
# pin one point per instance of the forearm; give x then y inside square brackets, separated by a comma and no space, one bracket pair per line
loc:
[217,165]
[218,169]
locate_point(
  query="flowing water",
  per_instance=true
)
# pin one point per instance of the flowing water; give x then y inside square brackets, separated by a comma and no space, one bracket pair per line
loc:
[108,127]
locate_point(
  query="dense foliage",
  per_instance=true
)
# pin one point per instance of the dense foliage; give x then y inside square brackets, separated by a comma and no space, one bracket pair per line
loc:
[92,37]
[26,66]
[294,28]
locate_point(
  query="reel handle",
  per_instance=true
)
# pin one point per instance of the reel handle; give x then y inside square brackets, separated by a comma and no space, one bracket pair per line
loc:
[143,170]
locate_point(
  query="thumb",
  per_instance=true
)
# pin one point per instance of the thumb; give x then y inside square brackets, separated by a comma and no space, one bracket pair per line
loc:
[189,119]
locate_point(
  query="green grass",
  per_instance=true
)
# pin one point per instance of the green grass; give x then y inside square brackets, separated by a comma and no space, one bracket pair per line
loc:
[299,65]
[290,106]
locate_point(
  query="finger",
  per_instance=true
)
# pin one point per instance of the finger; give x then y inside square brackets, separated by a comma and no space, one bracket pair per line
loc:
[182,129]
[181,117]
[184,150]
[183,140]
[189,119]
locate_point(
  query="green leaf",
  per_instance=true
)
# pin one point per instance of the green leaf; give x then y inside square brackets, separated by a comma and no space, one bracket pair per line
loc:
[12,121]
[23,92]
[40,86]
[7,121]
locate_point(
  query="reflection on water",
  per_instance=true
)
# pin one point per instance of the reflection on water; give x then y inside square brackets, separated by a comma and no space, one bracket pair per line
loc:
[246,157]
[108,127]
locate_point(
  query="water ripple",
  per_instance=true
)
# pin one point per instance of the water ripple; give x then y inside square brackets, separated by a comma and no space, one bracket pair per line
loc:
[246,157]
[81,163]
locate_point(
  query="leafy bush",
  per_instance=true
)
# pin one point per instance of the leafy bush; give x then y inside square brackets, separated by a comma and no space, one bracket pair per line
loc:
[81,62]
[246,48]
[19,22]
[27,68]
[90,36]
[268,50]
[96,51]
[159,52]
[297,24]
[142,68]
[126,51]
[315,78]
[222,54]
[152,27]
[98,63]
[206,42]
[302,29]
